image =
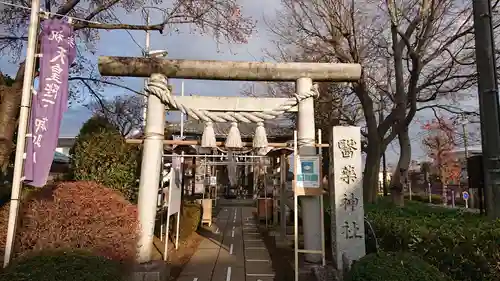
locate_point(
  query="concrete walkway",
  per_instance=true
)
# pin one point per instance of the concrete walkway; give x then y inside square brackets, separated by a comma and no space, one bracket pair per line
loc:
[232,250]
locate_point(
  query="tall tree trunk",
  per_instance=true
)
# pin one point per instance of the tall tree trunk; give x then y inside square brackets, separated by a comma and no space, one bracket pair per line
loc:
[10,103]
[375,144]
[372,170]
[9,109]
[397,192]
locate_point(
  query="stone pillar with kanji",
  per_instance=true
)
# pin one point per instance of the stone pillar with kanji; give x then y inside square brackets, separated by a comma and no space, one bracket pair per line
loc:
[347,213]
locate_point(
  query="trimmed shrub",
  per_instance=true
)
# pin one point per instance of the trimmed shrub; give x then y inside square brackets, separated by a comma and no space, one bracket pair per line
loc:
[435,199]
[79,215]
[393,267]
[63,266]
[100,154]
[461,244]
[190,220]
[96,124]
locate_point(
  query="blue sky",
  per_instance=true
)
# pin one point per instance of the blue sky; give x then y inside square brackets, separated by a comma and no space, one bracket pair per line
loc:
[184,45]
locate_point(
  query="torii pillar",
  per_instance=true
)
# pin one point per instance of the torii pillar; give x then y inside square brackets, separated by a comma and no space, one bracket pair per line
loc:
[301,73]
[306,134]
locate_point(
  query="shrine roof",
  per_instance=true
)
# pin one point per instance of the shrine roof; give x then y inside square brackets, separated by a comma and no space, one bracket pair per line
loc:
[273,129]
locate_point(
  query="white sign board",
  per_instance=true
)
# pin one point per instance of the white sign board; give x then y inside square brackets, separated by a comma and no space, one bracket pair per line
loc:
[308,172]
[174,200]
[348,183]
[213,181]
[199,178]
[175,188]
[199,184]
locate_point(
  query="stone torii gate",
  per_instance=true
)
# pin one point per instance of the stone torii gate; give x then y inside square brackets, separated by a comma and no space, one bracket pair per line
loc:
[303,74]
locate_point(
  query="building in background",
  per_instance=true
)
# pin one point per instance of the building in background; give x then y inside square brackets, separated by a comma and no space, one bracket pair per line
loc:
[64,145]
[460,154]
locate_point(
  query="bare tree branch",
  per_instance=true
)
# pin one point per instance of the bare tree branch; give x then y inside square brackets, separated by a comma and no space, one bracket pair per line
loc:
[84,79]
[411,51]
[124,112]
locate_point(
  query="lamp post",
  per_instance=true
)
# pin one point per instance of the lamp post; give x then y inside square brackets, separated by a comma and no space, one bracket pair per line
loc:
[464,121]
[148,54]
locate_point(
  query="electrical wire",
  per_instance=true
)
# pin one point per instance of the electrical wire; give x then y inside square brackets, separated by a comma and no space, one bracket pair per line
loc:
[49,13]
[129,33]
[75,19]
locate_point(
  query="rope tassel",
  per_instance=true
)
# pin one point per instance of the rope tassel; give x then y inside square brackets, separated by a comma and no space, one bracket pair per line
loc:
[260,138]
[208,137]
[234,138]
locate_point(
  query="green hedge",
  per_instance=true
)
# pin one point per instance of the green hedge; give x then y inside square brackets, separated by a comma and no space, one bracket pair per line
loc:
[461,244]
[63,266]
[190,219]
[435,199]
[394,267]
[101,154]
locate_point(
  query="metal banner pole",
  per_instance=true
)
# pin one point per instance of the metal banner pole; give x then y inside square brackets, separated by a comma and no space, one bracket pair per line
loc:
[321,197]
[265,194]
[165,253]
[295,206]
[21,131]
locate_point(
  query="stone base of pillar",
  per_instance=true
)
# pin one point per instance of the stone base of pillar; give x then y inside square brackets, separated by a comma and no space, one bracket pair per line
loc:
[151,271]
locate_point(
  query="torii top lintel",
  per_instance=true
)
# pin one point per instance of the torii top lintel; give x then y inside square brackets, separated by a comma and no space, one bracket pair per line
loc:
[228,70]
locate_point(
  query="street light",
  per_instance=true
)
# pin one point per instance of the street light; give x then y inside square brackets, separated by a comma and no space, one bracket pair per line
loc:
[464,121]
[156,53]
[150,54]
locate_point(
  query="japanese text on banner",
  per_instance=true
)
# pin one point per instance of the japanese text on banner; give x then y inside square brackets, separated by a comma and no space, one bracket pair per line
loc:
[50,102]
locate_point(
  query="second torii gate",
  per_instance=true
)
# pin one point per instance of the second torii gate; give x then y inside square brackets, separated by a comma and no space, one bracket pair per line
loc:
[257,111]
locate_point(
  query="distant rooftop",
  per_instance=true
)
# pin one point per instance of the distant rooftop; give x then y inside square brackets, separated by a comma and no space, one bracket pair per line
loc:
[191,126]
[460,152]
[65,141]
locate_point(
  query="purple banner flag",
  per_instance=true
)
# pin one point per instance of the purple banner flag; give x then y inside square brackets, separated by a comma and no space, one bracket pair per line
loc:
[50,101]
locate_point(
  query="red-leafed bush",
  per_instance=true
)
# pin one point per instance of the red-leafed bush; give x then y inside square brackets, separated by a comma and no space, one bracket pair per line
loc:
[26,195]
[79,215]
[4,219]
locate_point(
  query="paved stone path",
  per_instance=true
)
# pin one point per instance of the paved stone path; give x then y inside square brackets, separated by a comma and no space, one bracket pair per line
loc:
[232,250]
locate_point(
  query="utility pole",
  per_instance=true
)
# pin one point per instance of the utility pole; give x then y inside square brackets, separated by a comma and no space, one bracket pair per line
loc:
[464,123]
[488,102]
[146,54]
[466,140]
